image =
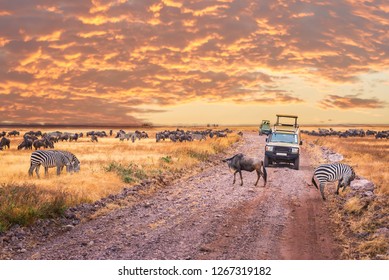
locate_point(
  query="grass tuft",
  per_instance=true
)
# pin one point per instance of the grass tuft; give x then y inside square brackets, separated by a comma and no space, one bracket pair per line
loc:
[129,174]
[23,204]
[354,205]
[373,248]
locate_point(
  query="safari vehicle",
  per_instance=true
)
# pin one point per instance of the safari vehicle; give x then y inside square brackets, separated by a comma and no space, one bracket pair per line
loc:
[265,128]
[283,144]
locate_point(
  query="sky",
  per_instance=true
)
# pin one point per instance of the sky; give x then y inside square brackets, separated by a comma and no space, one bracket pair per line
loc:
[193,62]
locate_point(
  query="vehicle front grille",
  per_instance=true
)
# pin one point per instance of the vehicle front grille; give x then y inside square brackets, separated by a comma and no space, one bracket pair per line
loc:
[281,149]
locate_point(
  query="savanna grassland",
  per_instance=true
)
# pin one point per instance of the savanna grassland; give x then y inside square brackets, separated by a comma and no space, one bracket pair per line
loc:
[363,223]
[106,167]
[110,165]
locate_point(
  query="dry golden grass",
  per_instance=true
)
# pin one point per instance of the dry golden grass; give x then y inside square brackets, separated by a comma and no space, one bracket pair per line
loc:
[106,166]
[377,246]
[354,205]
[368,156]
[358,219]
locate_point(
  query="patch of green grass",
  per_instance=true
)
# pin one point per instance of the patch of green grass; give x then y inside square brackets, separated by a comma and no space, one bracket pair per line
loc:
[129,174]
[166,159]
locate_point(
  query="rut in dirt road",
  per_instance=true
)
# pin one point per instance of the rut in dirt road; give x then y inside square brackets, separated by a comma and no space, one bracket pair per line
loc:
[206,217]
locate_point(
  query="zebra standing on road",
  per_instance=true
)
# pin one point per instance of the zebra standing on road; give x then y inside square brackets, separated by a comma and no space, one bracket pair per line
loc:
[52,158]
[340,172]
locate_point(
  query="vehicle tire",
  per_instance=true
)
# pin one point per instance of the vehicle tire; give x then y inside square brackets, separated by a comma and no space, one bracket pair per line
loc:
[266,161]
[297,163]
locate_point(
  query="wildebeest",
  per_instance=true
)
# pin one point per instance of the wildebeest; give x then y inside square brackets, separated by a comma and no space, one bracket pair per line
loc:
[97,133]
[93,138]
[64,137]
[43,143]
[13,133]
[73,137]
[26,144]
[5,142]
[241,162]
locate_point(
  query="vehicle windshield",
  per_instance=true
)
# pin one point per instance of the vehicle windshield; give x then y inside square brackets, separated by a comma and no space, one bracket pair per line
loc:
[284,138]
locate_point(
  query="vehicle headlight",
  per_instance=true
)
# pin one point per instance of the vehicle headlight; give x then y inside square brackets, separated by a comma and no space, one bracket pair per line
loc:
[295,150]
[269,148]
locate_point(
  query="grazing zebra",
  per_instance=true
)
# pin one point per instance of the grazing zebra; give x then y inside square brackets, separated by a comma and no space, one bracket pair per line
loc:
[53,158]
[340,172]
[74,162]
[127,136]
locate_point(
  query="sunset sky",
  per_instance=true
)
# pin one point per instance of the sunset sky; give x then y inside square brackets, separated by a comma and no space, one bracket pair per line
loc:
[193,62]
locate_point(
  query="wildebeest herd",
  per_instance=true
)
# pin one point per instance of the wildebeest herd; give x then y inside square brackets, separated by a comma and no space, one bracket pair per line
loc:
[190,135]
[352,132]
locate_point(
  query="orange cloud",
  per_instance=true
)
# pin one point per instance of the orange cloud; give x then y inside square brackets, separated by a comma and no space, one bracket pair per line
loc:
[350,102]
[160,51]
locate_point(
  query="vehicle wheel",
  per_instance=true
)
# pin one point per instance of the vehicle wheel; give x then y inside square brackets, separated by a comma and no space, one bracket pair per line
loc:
[266,161]
[297,163]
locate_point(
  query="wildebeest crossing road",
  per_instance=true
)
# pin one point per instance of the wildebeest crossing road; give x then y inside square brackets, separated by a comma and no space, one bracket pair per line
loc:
[204,216]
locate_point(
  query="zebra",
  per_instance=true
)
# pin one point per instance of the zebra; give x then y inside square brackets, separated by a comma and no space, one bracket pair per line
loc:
[74,162]
[127,136]
[53,158]
[49,158]
[340,172]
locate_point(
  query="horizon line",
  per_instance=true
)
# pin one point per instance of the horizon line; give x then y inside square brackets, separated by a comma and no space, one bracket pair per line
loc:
[145,125]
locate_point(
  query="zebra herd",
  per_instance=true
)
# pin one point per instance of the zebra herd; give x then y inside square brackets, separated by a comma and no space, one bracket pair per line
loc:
[53,158]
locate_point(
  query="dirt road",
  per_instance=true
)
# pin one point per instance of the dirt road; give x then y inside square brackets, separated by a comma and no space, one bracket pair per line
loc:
[206,217]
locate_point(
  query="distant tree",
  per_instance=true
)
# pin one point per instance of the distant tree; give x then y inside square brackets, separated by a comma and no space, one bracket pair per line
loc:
[147,124]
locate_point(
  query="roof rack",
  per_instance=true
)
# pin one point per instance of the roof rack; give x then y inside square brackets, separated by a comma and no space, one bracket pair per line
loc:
[287,127]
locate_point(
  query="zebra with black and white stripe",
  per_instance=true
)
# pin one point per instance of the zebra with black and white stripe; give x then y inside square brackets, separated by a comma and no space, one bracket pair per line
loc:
[331,172]
[74,162]
[52,158]
[127,136]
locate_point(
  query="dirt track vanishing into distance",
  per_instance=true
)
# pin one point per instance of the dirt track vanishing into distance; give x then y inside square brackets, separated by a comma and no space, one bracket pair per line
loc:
[204,216]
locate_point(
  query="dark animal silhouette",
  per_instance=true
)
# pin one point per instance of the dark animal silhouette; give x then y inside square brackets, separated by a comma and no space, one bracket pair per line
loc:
[241,162]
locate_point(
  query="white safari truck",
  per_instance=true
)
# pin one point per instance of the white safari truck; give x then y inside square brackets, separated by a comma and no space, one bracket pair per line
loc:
[283,144]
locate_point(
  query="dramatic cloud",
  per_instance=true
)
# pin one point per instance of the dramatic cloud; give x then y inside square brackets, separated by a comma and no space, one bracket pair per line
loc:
[350,102]
[125,54]
[88,110]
